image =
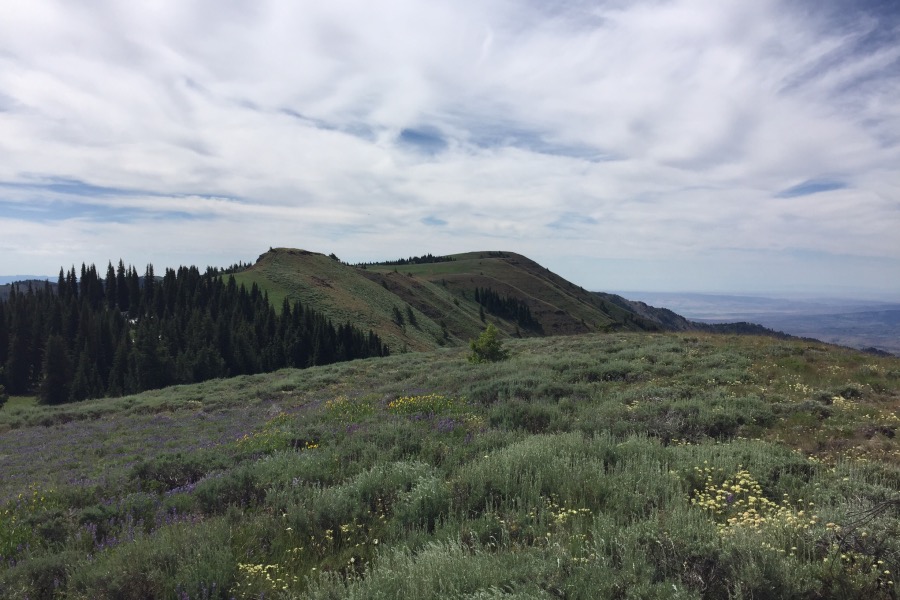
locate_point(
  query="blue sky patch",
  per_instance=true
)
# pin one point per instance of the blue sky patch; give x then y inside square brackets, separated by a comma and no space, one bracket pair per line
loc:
[70,187]
[433,221]
[60,199]
[810,187]
[356,129]
[61,210]
[425,139]
[534,141]
[572,220]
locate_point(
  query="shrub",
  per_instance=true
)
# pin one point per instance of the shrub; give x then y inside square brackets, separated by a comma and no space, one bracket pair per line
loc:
[170,471]
[184,560]
[529,416]
[41,577]
[238,487]
[488,347]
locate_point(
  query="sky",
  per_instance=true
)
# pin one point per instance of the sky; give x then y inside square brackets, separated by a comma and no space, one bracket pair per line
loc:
[672,145]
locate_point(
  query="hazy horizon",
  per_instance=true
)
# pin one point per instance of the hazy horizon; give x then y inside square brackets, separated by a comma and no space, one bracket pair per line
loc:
[633,294]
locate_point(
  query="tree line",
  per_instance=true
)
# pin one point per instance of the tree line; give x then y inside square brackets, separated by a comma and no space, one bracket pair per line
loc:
[125,333]
[506,307]
[412,260]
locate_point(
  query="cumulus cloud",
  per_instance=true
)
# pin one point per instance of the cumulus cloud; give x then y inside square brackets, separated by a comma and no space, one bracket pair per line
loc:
[581,133]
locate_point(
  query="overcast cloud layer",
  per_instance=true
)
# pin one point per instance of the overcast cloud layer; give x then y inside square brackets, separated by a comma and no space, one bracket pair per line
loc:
[655,145]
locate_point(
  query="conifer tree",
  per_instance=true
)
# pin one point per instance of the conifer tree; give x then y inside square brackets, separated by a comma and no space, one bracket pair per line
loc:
[18,369]
[118,372]
[121,287]
[109,286]
[4,336]
[56,372]
[86,381]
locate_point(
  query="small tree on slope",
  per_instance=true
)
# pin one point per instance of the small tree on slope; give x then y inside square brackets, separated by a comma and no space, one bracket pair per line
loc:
[488,347]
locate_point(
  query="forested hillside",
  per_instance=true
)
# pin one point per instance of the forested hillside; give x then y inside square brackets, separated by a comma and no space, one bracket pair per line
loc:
[93,337]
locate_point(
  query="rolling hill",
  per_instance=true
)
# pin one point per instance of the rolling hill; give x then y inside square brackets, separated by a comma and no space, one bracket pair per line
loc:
[429,305]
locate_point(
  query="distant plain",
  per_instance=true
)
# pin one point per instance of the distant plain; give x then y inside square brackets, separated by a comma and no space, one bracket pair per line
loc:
[847,322]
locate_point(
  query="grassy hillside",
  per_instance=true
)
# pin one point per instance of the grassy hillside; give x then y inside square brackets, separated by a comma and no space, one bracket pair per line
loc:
[344,294]
[624,465]
[441,297]
[559,305]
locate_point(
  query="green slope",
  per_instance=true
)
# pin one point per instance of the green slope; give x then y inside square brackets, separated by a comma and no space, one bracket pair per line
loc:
[560,306]
[345,293]
[441,297]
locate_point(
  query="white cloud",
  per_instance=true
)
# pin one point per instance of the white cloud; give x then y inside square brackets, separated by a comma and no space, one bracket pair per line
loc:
[639,131]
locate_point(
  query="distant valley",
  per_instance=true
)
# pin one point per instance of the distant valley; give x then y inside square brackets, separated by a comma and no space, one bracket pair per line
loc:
[847,322]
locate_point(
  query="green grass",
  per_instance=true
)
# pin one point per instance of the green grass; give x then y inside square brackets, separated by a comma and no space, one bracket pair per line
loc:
[277,291]
[19,402]
[611,466]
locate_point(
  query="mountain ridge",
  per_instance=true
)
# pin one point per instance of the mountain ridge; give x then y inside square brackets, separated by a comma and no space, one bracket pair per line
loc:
[430,302]
[424,303]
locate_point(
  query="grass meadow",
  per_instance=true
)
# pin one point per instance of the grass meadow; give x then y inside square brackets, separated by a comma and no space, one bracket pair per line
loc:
[597,466]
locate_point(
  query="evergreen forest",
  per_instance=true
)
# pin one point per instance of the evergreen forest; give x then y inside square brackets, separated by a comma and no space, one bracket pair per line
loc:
[89,336]
[507,307]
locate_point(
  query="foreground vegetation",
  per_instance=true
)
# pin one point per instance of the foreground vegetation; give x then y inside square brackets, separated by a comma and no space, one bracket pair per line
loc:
[600,466]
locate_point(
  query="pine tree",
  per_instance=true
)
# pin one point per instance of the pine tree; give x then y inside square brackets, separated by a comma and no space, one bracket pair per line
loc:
[86,382]
[4,336]
[398,318]
[18,369]
[118,372]
[109,285]
[56,373]
[121,287]
[149,288]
